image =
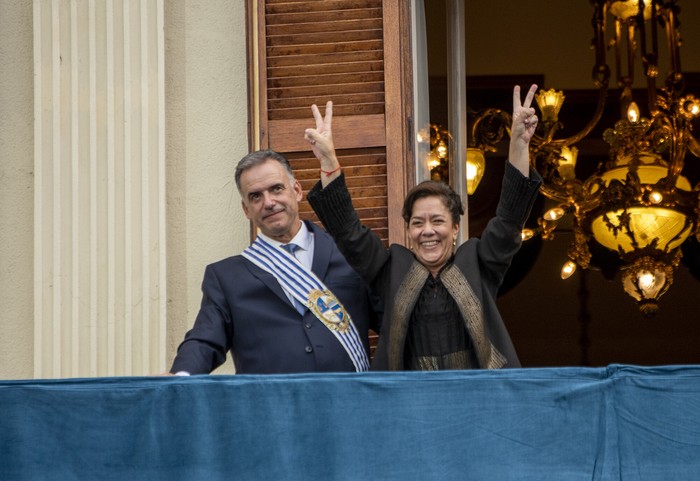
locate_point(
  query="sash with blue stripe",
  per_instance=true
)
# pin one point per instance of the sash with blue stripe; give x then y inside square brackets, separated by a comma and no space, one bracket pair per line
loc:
[308,289]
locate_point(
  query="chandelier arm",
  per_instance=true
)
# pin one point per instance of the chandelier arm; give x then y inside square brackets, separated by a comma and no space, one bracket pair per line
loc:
[483,135]
[597,115]
[693,145]
[601,76]
[674,77]
[678,150]
[553,194]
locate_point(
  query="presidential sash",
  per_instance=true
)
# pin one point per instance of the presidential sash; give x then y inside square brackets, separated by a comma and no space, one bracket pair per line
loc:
[308,289]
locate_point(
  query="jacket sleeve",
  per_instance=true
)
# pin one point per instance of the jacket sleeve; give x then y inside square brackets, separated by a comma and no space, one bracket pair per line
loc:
[363,250]
[501,239]
[205,345]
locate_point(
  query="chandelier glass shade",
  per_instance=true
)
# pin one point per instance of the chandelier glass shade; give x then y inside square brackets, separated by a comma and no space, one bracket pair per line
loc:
[476,166]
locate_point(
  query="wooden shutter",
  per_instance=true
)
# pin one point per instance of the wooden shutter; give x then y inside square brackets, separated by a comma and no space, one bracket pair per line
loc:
[357,54]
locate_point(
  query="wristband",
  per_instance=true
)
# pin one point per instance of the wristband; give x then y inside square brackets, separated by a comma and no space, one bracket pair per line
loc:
[330,172]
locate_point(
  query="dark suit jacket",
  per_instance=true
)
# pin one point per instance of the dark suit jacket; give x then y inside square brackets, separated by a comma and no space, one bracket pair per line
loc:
[244,310]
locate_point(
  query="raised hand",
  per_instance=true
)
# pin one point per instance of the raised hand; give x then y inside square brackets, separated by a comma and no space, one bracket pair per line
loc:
[524,117]
[321,141]
[522,129]
[321,138]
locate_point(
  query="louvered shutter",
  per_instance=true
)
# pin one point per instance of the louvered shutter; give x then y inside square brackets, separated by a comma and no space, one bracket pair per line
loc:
[355,53]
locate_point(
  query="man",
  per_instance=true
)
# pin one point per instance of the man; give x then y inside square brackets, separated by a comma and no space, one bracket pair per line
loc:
[289,302]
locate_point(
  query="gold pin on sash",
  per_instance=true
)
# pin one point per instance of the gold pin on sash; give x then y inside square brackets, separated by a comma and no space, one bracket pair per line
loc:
[329,310]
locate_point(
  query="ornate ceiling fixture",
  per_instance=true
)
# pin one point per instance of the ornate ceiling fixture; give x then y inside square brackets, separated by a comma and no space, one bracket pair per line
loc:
[438,159]
[638,204]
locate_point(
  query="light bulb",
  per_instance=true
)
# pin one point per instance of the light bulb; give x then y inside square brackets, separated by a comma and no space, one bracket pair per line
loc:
[554,214]
[442,150]
[691,106]
[471,171]
[433,160]
[633,113]
[656,197]
[568,269]
[645,280]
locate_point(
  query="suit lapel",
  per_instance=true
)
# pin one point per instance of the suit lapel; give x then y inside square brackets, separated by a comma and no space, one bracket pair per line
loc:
[323,249]
[267,279]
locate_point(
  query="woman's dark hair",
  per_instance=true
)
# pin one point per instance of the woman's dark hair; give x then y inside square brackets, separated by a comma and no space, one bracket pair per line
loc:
[260,157]
[433,188]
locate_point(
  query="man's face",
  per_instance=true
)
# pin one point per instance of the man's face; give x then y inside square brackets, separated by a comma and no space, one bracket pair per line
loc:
[271,201]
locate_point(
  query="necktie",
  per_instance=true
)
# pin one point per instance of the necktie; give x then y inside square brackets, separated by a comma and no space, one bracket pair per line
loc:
[292,248]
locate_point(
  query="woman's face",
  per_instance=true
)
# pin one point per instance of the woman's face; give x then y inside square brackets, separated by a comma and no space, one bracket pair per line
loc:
[432,232]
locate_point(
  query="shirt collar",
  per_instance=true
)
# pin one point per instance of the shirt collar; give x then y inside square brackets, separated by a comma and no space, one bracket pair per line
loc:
[302,239]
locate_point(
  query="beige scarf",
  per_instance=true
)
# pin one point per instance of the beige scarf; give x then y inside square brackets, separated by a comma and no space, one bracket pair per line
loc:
[467,302]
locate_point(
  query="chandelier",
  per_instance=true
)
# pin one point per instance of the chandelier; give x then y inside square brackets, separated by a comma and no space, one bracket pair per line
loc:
[638,206]
[438,157]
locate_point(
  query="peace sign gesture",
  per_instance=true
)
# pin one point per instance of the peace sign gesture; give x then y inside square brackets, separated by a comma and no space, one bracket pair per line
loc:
[522,129]
[321,138]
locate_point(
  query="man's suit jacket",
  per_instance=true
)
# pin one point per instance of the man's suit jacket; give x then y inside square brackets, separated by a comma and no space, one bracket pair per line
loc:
[244,310]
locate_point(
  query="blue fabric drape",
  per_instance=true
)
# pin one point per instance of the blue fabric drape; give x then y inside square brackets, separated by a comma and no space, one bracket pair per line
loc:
[614,423]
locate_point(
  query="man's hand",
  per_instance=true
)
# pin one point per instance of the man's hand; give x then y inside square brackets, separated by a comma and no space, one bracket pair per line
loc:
[321,141]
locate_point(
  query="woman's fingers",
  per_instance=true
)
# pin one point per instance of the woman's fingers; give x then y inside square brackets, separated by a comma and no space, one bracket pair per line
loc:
[530,95]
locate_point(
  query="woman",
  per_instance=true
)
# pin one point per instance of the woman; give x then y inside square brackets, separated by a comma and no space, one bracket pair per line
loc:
[440,310]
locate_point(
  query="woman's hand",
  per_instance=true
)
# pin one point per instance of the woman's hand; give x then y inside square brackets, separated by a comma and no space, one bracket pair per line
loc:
[522,129]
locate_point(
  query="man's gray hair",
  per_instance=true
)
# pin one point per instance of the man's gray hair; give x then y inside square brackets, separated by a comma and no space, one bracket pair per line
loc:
[260,157]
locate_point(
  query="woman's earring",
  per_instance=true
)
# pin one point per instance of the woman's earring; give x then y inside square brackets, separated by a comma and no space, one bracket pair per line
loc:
[454,241]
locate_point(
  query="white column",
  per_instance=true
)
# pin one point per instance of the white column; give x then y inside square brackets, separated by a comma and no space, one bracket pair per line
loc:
[99,272]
